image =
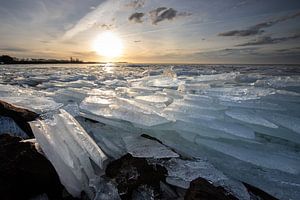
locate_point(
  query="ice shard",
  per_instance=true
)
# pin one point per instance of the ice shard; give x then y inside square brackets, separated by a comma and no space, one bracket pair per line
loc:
[71,151]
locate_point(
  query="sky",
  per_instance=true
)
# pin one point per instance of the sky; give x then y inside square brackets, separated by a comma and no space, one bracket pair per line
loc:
[154,31]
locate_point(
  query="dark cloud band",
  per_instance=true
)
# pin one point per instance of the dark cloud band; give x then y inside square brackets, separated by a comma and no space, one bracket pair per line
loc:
[257,29]
[269,40]
[136,17]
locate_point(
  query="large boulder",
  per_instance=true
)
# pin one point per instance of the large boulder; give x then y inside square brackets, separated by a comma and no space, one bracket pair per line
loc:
[131,174]
[20,115]
[25,173]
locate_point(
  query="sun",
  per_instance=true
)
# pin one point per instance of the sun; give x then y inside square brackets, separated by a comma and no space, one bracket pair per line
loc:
[108,44]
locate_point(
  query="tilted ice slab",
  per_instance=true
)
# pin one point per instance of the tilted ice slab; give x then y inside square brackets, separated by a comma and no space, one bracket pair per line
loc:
[145,148]
[256,155]
[279,82]
[182,172]
[239,93]
[34,103]
[255,104]
[70,95]
[292,123]
[27,98]
[71,151]
[216,77]
[124,109]
[160,81]
[249,116]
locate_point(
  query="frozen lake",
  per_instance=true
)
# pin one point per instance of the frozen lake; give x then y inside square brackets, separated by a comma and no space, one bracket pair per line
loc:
[243,119]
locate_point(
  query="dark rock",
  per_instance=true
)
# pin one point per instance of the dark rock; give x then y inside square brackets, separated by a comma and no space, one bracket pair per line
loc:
[25,173]
[129,173]
[20,115]
[258,194]
[201,189]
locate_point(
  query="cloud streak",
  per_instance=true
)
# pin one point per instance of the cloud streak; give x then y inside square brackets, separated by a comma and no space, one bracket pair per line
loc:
[162,13]
[257,29]
[103,14]
[269,40]
[14,49]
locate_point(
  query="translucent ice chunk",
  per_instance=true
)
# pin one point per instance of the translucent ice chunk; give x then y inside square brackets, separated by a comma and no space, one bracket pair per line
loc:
[123,109]
[70,95]
[145,148]
[182,172]
[71,151]
[104,189]
[153,98]
[239,93]
[255,156]
[34,103]
[251,117]
[292,123]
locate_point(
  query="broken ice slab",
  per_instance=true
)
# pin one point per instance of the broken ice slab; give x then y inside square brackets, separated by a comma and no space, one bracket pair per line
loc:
[182,172]
[146,148]
[241,93]
[104,190]
[253,104]
[70,84]
[250,116]
[123,109]
[279,82]
[216,77]
[186,104]
[189,130]
[16,91]
[290,122]
[109,138]
[68,95]
[230,128]
[159,81]
[33,103]
[9,126]
[154,98]
[193,87]
[71,151]
[256,154]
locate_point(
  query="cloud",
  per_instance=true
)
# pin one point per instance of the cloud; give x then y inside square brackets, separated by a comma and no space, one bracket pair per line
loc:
[14,49]
[289,50]
[136,4]
[162,13]
[136,17]
[104,26]
[257,29]
[269,40]
[103,14]
[227,52]
[137,41]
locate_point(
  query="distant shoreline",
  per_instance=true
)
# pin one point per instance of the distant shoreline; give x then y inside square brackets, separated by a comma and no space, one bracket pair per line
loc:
[31,63]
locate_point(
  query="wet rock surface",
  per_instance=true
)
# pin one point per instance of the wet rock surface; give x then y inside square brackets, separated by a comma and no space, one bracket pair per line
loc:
[130,173]
[20,115]
[258,194]
[25,173]
[202,189]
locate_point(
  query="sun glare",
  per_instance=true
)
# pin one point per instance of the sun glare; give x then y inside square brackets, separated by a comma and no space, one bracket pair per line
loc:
[108,44]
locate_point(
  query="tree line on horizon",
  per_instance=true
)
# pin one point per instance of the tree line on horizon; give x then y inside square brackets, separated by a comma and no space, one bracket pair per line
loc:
[6,59]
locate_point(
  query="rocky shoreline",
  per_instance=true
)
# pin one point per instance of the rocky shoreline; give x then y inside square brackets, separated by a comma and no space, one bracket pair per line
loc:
[27,174]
